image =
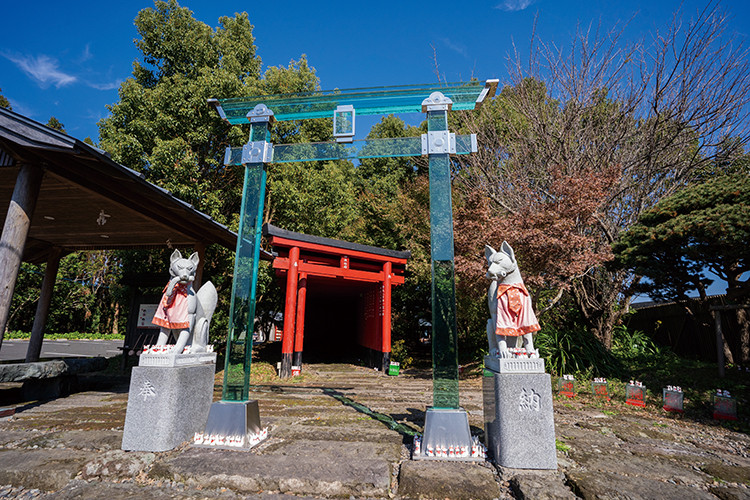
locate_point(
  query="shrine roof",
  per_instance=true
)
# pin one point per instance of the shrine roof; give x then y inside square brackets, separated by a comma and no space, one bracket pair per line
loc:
[277,233]
[89,202]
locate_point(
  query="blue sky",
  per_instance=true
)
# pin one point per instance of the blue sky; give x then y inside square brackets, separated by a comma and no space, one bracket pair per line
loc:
[67,59]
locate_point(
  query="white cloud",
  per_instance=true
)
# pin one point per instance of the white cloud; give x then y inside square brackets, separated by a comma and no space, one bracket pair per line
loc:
[105,86]
[43,69]
[460,48]
[85,55]
[514,5]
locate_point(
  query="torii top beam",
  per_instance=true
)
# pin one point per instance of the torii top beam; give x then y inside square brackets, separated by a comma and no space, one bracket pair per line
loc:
[367,101]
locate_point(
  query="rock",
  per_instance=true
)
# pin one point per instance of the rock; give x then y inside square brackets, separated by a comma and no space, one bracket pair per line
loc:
[44,469]
[540,487]
[652,467]
[20,372]
[730,493]
[603,485]
[454,480]
[728,473]
[350,434]
[336,449]
[115,465]
[248,472]
[81,440]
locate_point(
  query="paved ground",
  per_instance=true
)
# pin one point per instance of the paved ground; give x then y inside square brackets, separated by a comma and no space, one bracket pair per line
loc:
[16,349]
[321,447]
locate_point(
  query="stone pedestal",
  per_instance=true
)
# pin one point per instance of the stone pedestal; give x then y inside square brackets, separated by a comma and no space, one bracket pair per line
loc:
[167,406]
[518,421]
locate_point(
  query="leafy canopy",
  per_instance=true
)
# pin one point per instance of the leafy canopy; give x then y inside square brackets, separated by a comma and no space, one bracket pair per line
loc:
[705,226]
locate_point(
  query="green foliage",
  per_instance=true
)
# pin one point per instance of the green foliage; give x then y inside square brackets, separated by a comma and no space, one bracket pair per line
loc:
[400,353]
[87,295]
[55,124]
[576,351]
[628,343]
[4,103]
[163,127]
[17,334]
[317,199]
[704,226]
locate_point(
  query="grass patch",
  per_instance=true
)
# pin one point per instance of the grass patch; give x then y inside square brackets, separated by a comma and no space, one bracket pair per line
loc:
[19,335]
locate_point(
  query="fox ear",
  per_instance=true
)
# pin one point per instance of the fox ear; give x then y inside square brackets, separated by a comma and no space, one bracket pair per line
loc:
[509,251]
[176,255]
[489,252]
[194,258]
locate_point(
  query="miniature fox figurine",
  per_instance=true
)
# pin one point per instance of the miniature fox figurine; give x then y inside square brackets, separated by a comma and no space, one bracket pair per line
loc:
[181,308]
[512,314]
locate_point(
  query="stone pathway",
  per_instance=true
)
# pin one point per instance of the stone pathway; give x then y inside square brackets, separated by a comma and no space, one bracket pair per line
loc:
[321,447]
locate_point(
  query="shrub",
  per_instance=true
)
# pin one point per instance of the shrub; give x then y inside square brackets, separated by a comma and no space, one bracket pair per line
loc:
[576,351]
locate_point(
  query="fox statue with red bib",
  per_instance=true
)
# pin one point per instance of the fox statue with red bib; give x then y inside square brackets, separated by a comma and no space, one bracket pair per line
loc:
[511,310]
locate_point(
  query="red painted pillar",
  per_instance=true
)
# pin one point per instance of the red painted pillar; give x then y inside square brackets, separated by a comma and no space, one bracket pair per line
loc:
[299,333]
[290,309]
[386,336]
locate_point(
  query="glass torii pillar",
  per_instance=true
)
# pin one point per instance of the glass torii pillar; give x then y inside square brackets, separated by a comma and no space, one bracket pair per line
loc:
[446,424]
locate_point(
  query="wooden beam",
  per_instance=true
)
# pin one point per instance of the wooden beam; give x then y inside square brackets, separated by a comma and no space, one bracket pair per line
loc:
[337,272]
[42,307]
[15,231]
[331,250]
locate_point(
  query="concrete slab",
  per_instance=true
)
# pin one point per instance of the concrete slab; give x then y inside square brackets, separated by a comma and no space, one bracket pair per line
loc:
[325,450]
[598,485]
[46,470]
[82,490]
[247,472]
[541,487]
[454,480]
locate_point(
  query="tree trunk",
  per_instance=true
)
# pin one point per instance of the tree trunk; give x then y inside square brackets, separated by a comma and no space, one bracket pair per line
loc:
[744,336]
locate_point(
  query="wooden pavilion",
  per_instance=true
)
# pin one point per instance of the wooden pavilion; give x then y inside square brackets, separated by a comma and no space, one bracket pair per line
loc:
[59,195]
[338,297]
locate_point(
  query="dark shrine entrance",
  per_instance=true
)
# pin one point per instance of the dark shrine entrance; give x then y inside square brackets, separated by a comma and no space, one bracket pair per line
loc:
[338,298]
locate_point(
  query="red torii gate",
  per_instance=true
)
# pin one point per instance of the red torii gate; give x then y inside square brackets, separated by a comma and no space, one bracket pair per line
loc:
[347,275]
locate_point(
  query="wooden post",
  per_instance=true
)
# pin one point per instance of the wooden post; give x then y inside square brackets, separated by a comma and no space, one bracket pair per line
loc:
[15,231]
[200,247]
[719,343]
[290,310]
[299,334]
[386,333]
[42,307]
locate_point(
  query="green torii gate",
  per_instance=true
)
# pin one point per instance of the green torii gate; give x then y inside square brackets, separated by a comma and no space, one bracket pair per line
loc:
[438,144]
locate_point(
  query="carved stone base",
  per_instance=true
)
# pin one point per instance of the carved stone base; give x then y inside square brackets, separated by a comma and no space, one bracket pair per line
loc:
[172,360]
[518,421]
[514,365]
[167,406]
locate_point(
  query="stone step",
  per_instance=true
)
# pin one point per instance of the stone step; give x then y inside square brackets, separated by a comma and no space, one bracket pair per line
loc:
[301,475]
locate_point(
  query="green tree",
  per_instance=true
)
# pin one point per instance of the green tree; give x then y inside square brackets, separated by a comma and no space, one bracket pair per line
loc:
[162,126]
[705,227]
[57,125]
[4,103]
[653,114]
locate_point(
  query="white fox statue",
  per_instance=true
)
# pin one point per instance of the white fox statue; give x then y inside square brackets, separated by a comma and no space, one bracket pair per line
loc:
[183,309]
[512,314]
